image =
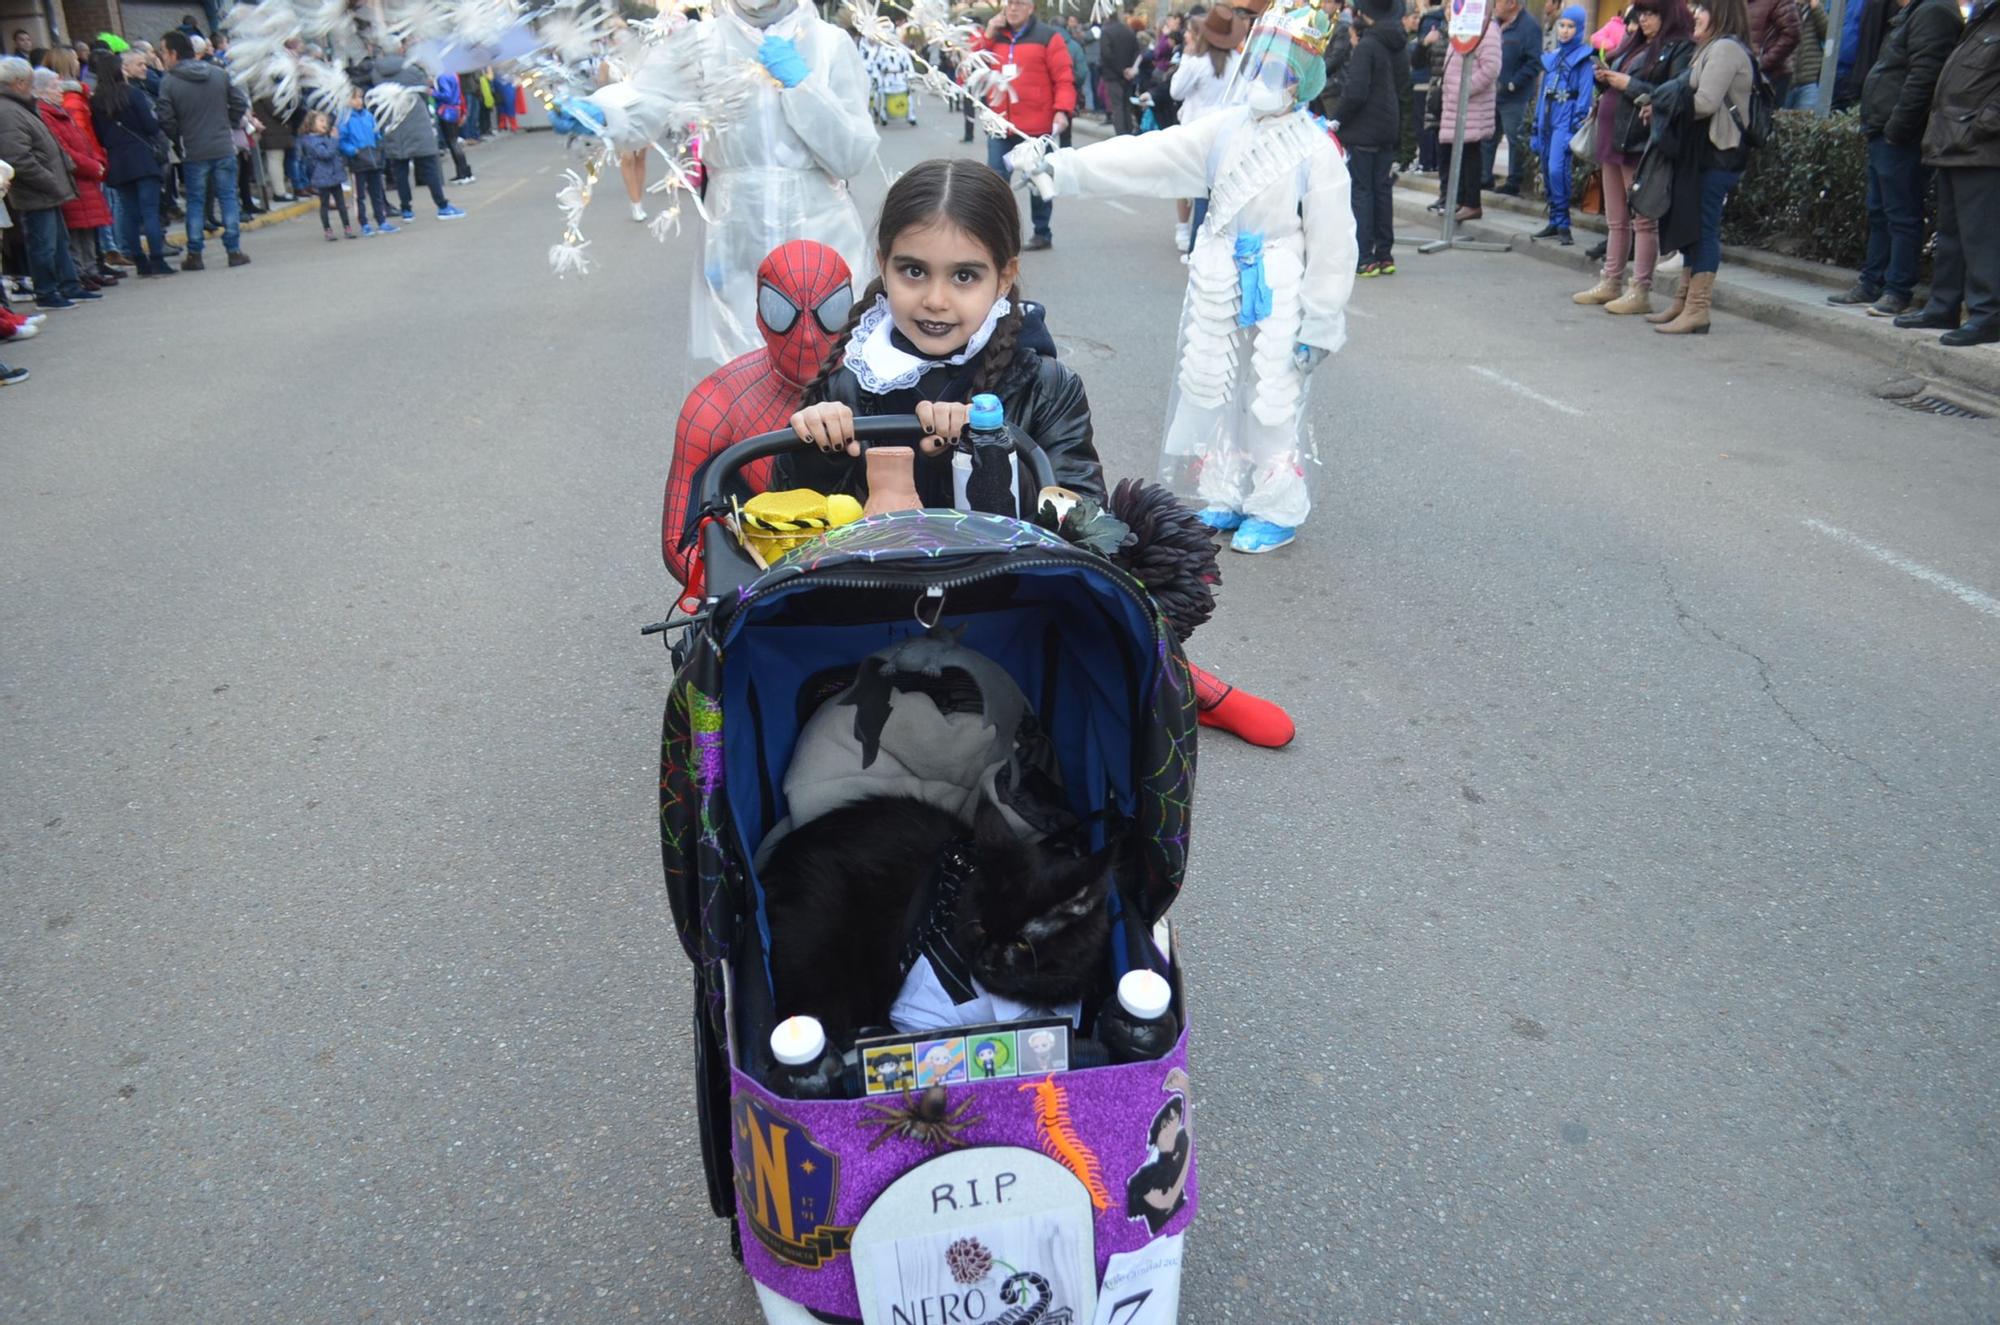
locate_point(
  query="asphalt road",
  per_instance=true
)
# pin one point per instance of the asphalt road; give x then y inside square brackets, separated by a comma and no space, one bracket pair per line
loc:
[1616,943]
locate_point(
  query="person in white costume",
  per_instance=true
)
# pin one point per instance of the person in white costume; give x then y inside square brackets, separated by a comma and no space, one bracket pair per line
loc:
[890,65]
[1268,282]
[784,99]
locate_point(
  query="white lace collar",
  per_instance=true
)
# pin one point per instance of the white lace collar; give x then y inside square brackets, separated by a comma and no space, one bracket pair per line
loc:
[880,366]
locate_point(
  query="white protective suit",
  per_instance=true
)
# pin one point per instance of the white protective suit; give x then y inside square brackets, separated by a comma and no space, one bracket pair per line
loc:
[1236,430]
[778,159]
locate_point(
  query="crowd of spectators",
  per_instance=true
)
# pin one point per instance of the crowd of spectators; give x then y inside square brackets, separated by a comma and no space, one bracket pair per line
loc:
[121,159]
[1921,76]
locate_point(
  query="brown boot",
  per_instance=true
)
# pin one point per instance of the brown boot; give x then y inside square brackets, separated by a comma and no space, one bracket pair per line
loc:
[1693,320]
[1638,298]
[1603,292]
[1680,303]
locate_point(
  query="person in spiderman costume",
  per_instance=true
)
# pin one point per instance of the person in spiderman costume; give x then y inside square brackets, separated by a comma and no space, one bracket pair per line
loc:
[804,293]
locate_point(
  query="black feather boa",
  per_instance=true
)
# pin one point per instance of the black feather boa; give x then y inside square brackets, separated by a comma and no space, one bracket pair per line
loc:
[1148,533]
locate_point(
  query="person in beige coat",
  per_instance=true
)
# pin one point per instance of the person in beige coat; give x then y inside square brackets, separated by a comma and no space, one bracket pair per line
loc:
[1720,80]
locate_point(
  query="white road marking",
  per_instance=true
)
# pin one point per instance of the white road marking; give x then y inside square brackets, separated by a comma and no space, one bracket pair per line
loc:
[1361,313]
[498,194]
[1119,206]
[1965,593]
[1526,392]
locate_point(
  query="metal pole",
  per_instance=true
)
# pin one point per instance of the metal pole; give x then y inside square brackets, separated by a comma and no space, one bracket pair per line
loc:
[1829,69]
[1458,152]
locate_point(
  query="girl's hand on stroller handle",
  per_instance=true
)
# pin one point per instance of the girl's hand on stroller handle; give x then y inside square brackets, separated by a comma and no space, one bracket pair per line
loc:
[944,422]
[829,426]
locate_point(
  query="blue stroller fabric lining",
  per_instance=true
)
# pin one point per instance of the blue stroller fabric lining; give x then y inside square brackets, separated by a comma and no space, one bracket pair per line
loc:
[1082,649]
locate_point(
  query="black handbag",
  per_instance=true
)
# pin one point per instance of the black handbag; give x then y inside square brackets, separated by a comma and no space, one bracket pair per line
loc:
[1653,185]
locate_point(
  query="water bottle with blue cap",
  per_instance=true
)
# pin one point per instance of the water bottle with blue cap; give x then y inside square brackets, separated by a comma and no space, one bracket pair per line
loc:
[983,469]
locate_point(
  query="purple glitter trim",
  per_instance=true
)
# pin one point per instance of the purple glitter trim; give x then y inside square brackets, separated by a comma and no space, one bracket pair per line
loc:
[1112,1109]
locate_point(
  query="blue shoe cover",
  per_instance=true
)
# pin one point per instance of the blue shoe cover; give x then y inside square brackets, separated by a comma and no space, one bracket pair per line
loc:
[1262,536]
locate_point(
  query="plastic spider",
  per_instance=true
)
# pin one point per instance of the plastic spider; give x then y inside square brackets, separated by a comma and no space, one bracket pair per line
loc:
[922,1119]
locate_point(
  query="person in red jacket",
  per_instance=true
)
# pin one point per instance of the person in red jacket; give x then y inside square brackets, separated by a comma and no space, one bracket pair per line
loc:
[1039,96]
[84,214]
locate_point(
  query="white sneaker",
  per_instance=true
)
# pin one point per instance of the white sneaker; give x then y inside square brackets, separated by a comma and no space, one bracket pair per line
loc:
[1181,229]
[26,331]
[638,211]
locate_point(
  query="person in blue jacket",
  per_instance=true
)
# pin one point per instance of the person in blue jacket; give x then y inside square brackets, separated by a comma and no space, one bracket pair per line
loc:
[1566,89]
[361,144]
[450,94]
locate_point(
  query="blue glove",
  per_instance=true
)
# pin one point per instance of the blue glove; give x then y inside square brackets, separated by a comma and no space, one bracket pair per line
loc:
[1309,357]
[574,115]
[782,59]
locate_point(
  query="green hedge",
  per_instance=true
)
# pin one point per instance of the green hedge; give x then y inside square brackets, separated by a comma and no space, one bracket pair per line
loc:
[1806,191]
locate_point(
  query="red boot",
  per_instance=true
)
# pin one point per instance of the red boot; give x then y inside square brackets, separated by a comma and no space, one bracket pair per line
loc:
[1240,713]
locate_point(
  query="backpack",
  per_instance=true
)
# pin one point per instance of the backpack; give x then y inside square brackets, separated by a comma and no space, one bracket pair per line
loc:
[1756,126]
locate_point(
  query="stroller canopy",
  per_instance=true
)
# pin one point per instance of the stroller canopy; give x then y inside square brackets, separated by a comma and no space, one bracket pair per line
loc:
[1077,634]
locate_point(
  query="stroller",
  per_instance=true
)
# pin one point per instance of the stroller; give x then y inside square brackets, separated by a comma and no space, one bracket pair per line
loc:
[1027,1194]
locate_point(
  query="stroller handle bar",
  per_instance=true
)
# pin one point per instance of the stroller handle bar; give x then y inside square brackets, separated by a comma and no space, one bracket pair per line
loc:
[875,430]
[727,567]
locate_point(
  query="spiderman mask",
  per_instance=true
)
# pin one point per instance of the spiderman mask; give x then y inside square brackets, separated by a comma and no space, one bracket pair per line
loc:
[804,293]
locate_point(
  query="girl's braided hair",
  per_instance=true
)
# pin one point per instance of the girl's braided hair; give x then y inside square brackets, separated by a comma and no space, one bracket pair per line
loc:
[975,199]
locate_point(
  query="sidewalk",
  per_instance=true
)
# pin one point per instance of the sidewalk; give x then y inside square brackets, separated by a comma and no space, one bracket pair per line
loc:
[1765,287]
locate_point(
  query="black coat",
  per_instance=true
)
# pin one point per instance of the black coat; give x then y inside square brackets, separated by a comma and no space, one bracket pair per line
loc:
[1042,397]
[1964,130]
[1896,96]
[1677,147]
[1338,51]
[1370,109]
[1652,70]
[1118,50]
[128,139]
[1520,57]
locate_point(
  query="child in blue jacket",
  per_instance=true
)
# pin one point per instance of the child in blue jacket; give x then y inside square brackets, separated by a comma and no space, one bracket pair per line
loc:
[1567,85]
[361,144]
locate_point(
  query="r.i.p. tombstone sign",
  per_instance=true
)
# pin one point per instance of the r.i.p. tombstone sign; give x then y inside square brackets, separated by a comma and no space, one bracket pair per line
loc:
[976,1236]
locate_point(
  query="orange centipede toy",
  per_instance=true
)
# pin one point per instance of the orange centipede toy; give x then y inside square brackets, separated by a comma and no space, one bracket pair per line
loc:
[1060,1141]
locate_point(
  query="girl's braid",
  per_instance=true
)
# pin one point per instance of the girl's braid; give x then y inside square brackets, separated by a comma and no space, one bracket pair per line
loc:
[999,357]
[815,392]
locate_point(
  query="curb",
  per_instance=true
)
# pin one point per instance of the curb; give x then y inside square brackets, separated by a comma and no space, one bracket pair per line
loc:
[1758,259]
[289,211]
[1974,369]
